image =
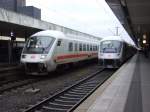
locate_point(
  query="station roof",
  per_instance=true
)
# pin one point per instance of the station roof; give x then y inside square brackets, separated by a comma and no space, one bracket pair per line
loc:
[113,38]
[24,26]
[133,14]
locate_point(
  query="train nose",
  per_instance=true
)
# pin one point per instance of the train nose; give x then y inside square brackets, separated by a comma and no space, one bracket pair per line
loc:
[36,68]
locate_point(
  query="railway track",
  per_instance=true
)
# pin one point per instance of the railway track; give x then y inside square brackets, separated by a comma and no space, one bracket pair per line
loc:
[12,79]
[68,99]
[17,83]
[10,73]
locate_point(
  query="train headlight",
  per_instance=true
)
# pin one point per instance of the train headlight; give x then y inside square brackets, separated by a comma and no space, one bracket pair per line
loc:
[23,56]
[43,56]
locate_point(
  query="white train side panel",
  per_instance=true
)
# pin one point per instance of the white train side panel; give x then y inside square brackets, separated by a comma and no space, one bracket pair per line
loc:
[63,54]
[46,50]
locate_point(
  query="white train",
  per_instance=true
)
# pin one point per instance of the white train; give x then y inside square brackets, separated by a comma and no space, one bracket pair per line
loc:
[113,51]
[46,50]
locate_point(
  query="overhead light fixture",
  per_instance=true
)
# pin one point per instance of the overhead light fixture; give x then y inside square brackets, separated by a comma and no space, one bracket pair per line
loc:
[144,36]
[144,41]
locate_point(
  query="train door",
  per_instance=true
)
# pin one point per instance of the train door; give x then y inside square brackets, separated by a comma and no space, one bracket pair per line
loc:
[76,48]
[59,48]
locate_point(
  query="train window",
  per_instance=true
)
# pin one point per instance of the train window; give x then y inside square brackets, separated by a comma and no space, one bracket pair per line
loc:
[96,48]
[70,46]
[38,44]
[93,48]
[84,47]
[88,47]
[80,47]
[110,46]
[76,47]
[59,43]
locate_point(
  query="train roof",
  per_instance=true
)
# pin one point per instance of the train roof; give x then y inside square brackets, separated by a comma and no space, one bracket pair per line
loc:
[61,35]
[118,38]
[53,33]
[113,38]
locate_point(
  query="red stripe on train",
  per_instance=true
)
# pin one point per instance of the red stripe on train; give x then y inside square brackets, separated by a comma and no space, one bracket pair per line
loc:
[73,56]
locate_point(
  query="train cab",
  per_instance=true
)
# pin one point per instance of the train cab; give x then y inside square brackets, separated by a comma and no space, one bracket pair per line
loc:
[110,53]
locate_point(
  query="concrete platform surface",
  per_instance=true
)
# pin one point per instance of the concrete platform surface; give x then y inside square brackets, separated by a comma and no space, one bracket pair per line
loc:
[128,90]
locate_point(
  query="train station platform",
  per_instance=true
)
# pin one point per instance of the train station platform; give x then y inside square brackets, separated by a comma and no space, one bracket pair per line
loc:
[6,66]
[127,90]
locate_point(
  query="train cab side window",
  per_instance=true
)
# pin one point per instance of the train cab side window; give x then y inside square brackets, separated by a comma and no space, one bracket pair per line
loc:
[70,46]
[59,43]
[80,47]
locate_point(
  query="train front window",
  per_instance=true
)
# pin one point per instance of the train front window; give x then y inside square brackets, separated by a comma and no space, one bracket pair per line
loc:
[38,44]
[110,46]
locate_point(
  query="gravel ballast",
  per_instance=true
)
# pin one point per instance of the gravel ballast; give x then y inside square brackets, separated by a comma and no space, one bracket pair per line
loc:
[18,99]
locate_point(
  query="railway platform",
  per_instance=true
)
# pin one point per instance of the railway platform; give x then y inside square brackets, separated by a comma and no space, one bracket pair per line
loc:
[127,90]
[7,66]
